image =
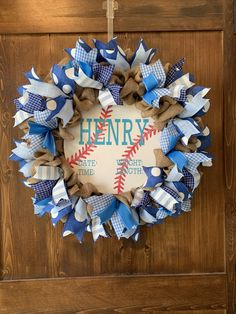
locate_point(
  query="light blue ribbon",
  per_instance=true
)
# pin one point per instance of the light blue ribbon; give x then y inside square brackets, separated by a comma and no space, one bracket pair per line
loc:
[178,158]
[154,80]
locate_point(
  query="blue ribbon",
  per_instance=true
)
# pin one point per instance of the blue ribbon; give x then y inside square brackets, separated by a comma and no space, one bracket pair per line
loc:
[154,79]
[39,129]
[123,211]
[76,227]
[178,158]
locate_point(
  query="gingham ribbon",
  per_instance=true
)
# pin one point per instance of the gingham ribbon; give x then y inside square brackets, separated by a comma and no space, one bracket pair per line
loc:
[154,79]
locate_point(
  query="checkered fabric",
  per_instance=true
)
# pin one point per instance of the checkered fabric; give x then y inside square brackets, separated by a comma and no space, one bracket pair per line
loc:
[186,206]
[34,103]
[82,55]
[156,69]
[171,192]
[103,73]
[36,142]
[175,72]
[115,91]
[17,104]
[169,138]
[194,159]
[117,224]
[159,92]
[99,203]
[183,96]
[188,179]
[41,116]
[43,189]
[145,200]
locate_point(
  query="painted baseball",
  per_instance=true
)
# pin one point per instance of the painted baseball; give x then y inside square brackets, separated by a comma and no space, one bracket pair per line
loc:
[110,147]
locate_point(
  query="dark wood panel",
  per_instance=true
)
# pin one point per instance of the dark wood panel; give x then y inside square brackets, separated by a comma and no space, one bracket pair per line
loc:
[230,148]
[72,16]
[18,224]
[114,294]
[32,248]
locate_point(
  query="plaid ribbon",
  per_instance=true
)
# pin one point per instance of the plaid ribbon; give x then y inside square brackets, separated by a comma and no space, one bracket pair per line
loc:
[195,159]
[175,72]
[84,53]
[43,189]
[33,103]
[169,138]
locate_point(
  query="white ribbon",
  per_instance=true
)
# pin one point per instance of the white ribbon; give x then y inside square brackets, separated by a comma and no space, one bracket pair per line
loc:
[81,210]
[21,116]
[183,81]
[44,89]
[97,229]
[187,128]
[26,169]
[195,104]
[174,175]
[59,192]
[23,151]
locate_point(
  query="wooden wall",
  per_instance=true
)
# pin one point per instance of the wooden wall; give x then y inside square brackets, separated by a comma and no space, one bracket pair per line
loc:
[188,262]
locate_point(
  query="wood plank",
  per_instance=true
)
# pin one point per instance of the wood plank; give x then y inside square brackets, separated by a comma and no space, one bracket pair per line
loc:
[72,16]
[115,294]
[25,245]
[230,148]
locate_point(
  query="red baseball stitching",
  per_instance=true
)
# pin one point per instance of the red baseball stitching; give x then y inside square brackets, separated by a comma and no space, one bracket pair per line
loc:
[87,149]
[128,155]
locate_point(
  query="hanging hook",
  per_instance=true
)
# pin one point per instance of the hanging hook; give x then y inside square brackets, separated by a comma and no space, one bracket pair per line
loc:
[110,6]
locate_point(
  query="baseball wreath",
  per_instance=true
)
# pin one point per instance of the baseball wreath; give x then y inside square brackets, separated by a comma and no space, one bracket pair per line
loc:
[111,85]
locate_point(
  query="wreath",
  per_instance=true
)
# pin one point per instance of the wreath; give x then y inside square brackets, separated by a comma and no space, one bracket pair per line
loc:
[106,75]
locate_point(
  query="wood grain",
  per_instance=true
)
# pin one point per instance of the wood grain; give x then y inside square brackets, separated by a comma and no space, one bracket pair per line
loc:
[124,294]
[230,149]
[32,248]
[72,16]
[17,55]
